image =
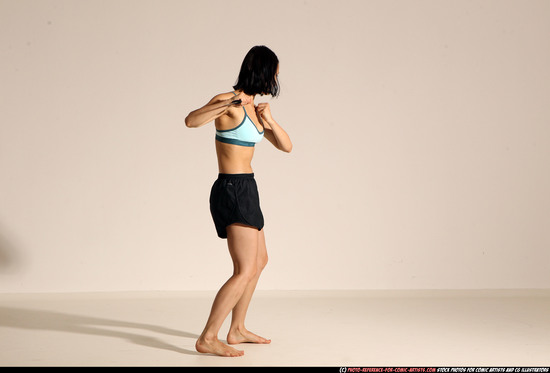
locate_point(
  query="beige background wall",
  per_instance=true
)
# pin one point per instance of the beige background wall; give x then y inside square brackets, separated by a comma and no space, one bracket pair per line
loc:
[421,134]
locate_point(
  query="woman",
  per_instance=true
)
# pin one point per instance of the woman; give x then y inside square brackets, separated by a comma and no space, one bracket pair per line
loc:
[234,198]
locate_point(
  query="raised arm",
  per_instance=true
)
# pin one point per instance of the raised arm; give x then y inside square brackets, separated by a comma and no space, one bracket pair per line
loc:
[215,108]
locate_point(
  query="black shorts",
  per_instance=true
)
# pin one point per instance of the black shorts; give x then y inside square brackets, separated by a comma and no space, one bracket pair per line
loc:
[234,198]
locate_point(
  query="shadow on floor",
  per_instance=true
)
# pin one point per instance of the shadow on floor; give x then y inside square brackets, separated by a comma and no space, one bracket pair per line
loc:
[48,320]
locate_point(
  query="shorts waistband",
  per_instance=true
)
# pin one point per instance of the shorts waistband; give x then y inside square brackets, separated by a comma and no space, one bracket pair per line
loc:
[234,176]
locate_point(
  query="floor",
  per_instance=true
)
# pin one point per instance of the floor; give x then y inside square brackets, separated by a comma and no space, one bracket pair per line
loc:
[399,328]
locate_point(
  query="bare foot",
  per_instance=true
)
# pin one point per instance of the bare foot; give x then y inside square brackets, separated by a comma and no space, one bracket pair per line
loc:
[214,346]
[236,336]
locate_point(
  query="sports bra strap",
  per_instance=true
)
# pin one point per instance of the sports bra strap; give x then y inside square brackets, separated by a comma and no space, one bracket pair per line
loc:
[245,113]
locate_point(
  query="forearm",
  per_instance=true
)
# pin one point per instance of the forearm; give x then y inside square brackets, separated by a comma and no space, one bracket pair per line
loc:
[281,136]
[207,113]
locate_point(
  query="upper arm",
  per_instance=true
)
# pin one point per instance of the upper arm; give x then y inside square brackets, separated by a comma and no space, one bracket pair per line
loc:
[213,100]
[217,98]
[198,115]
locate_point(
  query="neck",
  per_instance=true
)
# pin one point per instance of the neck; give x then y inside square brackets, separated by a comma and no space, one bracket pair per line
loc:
[251,96]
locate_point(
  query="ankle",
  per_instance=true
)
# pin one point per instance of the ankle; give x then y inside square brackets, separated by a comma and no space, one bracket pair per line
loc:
[208,337]
[237,328]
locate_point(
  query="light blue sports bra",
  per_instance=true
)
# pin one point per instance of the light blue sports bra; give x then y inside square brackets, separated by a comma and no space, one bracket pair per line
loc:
[245,134]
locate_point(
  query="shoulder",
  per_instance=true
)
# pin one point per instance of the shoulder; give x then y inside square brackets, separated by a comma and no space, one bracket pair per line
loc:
[221,97]
[231,112]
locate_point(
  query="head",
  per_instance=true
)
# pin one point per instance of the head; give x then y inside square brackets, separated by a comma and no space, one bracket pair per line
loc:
[259,72]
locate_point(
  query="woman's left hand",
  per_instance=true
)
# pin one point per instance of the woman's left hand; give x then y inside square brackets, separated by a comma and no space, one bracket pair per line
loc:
[263,112]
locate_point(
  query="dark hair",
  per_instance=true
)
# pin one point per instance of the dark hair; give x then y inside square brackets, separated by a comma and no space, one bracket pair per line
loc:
[258,72]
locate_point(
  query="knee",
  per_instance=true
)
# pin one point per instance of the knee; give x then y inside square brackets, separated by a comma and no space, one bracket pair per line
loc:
[247,274]
[262,262]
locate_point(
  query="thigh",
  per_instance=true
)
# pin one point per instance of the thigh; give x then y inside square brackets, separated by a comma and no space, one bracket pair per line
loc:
[242,241]
[262,250]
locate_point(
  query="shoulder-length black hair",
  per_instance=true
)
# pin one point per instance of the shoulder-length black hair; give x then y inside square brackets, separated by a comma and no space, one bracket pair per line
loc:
[258,73]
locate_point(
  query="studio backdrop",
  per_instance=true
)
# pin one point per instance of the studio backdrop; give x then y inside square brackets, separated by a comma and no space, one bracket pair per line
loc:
[421,133]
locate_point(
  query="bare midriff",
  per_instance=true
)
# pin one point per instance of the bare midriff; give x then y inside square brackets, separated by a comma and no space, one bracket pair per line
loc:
[234,159]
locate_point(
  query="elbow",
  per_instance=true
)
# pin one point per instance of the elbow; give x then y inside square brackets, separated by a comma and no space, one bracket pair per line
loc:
[188,122]
[191,120]
[287,149]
